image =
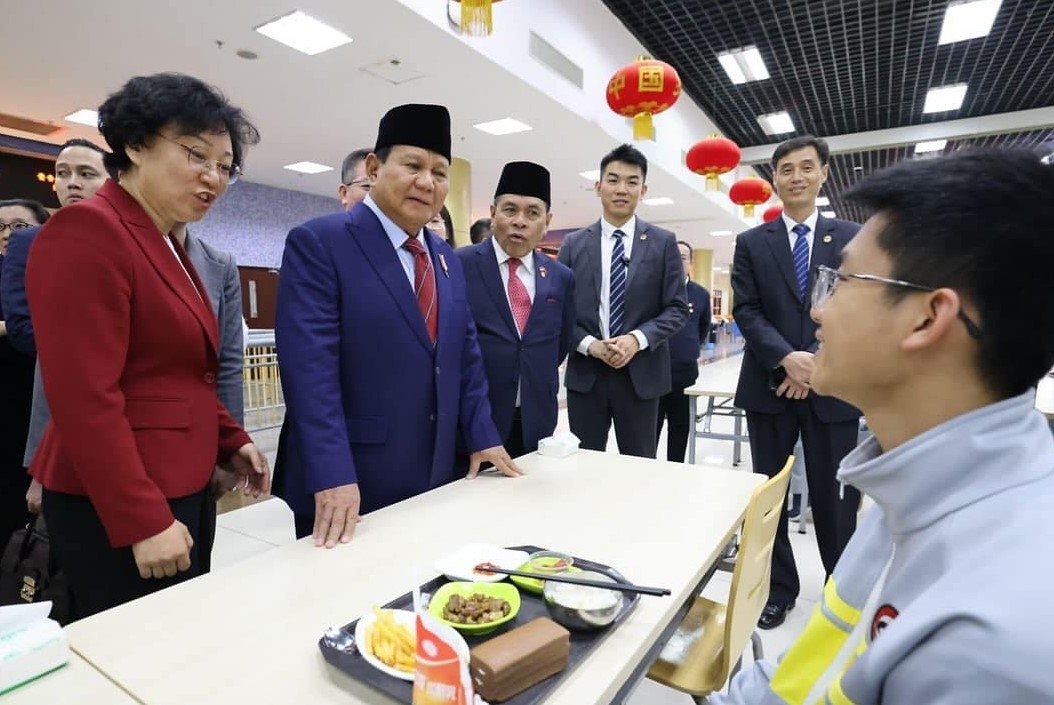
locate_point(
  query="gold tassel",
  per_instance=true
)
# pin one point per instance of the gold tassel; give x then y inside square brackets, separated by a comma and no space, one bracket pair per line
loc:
[643,129]
[748,210]
[477,18]
[713,183]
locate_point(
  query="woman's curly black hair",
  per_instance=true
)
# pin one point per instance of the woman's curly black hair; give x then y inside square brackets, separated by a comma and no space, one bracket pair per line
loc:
[134,114]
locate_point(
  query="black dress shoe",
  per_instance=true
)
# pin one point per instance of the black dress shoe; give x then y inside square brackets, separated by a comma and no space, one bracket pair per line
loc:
[774,614]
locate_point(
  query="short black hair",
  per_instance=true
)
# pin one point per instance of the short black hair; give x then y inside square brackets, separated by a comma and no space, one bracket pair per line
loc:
[978,222]
[347,168]
[691,252]
[479,231]
[132,116]
[796,143]
[81,142]
[628,154]
[39,211]
[383,153]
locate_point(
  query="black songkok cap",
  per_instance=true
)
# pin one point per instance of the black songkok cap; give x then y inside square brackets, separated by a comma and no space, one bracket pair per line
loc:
[524,179]
[416,125]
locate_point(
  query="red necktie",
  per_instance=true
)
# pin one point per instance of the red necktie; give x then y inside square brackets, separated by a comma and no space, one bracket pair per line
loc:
[424,286]
[519,299]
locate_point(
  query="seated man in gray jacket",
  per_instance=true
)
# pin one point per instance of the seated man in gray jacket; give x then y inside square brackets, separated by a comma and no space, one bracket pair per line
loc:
[938,325]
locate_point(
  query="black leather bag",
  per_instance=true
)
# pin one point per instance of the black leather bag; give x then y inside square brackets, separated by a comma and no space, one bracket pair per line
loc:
[28,572]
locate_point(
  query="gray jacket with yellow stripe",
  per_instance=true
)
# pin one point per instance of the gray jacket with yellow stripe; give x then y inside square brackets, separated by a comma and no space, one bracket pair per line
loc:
[964,518]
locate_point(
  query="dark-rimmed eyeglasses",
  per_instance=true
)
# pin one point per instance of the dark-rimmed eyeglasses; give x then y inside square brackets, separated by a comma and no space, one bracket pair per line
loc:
[13,226]
[826,281]
[363,183]
[200,161]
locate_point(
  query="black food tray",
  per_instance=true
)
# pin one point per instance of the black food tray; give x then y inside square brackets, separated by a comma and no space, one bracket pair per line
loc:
[531,606]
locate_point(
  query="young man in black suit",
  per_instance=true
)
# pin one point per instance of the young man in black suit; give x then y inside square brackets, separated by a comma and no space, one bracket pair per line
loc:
[629,299]
[685,346]
[771,280]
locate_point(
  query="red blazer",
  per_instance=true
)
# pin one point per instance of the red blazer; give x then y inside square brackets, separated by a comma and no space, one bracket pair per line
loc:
[128,355]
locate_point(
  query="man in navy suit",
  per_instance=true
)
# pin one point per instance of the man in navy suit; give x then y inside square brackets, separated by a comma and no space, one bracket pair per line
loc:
[523,305]
[377,348]
[685,346]
[771,278]
[629,300]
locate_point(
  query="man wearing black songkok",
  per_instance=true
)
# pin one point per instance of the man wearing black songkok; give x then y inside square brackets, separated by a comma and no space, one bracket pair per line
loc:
[523,305]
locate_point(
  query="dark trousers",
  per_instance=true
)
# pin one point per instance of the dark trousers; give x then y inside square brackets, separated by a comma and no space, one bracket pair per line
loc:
[100,576]
[16,399]
[514,444]
[772,439]
[674,409]
[613,399]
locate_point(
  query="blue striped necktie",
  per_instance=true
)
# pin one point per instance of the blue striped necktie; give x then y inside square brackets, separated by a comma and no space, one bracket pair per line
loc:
[618,286]
[800,255]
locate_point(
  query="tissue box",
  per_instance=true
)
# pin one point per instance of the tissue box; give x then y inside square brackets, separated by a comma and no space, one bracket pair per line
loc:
[558,446]
[30,644]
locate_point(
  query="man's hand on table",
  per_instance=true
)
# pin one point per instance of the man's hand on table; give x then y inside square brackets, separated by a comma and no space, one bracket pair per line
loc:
[336,514]
[498,457]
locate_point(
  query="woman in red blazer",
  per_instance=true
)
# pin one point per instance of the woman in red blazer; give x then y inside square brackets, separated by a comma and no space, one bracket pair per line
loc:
[128,349]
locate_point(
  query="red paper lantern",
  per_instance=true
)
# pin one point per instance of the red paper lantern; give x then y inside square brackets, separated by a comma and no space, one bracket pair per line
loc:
[772,212]
[477,19]
[712,157]
[749,192]
[642,89]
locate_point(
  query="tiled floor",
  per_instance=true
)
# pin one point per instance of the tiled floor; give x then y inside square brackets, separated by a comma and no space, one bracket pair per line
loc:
[256,528]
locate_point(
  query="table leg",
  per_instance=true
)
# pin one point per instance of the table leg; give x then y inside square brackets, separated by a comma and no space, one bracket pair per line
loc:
[736,450]
[692,424]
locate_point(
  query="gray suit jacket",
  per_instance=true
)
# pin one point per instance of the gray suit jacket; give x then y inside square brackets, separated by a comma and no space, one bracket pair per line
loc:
[219,274]
[656,304]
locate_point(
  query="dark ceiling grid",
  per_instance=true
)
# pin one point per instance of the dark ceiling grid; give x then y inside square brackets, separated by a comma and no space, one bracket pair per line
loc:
[848,66]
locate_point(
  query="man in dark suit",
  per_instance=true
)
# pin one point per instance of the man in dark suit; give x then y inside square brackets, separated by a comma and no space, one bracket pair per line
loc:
[771,279]
[629,300]
[376,344]
[685,346]
[523,305]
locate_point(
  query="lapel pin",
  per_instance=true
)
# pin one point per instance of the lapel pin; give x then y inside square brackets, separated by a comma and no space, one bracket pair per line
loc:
[826,238]
[644,236]
[543,271]
[691,308]
[442,263]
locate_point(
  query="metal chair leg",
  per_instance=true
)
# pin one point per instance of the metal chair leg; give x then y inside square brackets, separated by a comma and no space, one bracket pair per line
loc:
[756,646]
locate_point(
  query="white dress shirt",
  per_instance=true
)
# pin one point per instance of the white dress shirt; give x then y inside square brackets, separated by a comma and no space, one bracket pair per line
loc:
[525,273]
[607,246]
[168,241]
[398,236]
[792,237]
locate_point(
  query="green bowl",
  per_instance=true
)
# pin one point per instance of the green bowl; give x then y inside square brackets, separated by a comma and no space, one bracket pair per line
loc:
[534,585]
[501,591]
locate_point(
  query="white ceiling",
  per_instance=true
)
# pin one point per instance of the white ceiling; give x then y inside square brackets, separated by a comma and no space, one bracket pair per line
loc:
[61,55]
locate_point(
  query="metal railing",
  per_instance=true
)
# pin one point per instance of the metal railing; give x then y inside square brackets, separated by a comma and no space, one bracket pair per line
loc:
[264,403]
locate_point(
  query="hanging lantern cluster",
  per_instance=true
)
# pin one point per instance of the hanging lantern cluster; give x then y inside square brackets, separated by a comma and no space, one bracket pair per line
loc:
[477,17]
[712,157]
[749,192]
[642,89]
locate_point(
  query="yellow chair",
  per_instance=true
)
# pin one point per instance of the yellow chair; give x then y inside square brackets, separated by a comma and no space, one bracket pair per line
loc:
[698,657]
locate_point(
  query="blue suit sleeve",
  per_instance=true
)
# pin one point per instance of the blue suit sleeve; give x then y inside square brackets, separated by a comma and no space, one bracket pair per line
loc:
[477,424]
[14,303]
[307,330]
[229,385]
[762,337]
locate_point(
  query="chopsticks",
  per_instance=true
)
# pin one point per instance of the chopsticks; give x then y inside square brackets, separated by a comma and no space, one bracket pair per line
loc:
[621,587]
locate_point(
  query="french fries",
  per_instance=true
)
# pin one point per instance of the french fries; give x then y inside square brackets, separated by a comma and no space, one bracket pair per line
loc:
[393,644]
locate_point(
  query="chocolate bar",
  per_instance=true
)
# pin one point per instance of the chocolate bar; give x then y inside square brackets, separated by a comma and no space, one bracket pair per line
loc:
[520,658]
